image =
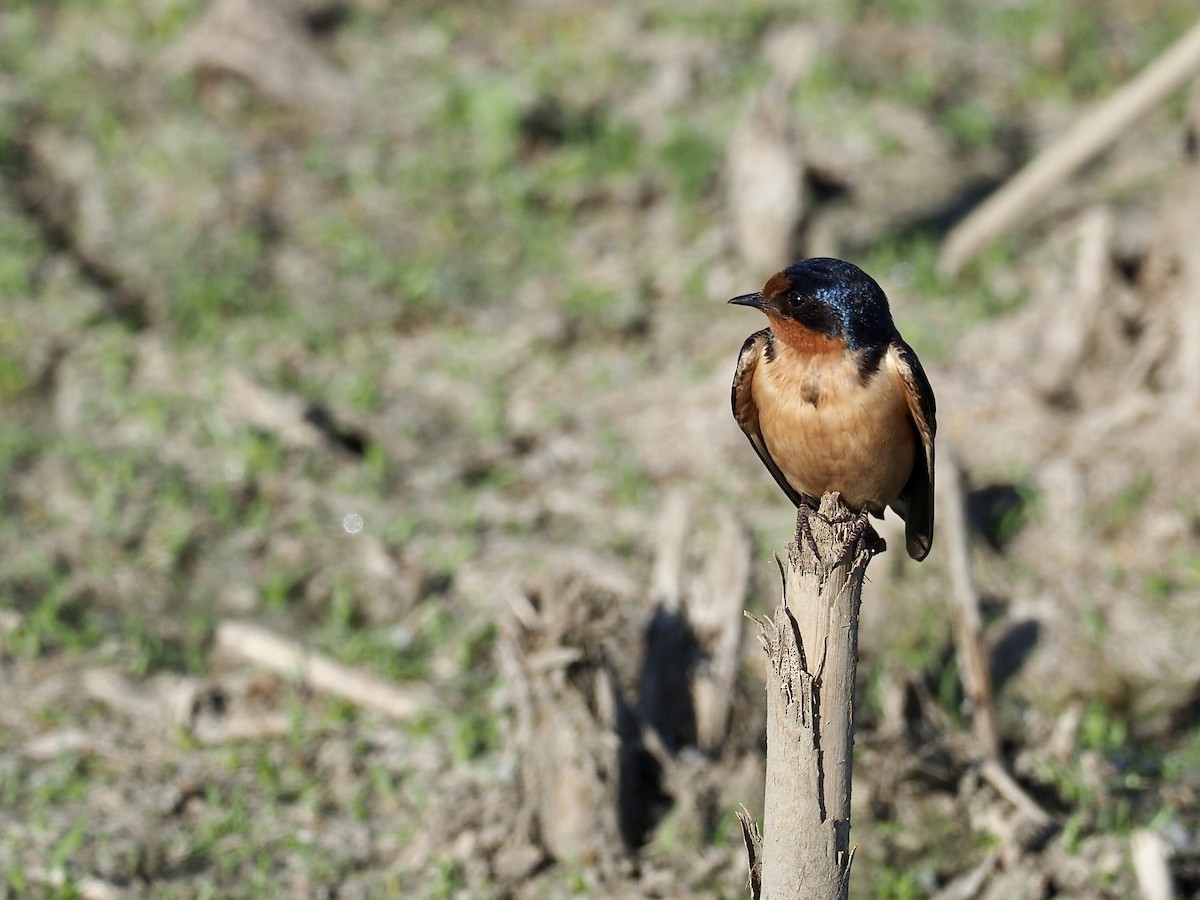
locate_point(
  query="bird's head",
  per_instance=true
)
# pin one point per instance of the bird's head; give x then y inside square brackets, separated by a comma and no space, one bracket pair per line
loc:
[826,298]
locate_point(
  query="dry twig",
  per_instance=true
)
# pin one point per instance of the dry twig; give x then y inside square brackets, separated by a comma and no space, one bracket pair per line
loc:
[1090,135]
[716,618]
[1007,787]
[1150,866]
[968,622]
[318,672]
[87,887]
[972,651]
[968,885]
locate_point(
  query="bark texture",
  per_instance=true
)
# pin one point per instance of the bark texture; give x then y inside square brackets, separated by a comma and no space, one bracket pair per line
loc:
[812,649]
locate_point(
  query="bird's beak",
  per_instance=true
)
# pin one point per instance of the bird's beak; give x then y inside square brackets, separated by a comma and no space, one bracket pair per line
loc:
[757,300]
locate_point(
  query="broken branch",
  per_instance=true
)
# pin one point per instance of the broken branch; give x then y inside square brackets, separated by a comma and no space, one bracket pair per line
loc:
[812,649]
[318,672]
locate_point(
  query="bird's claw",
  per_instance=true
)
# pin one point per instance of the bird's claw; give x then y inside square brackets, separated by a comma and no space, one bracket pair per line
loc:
[862,535]
[804,528]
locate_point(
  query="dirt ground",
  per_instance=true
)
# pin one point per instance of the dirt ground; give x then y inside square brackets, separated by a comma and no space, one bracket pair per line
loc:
[397,331]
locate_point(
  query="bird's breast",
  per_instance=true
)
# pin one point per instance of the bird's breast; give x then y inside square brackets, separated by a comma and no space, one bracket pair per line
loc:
[829,428]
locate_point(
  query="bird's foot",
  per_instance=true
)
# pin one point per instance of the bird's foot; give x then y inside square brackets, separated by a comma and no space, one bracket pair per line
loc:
[804,528]
[863,536]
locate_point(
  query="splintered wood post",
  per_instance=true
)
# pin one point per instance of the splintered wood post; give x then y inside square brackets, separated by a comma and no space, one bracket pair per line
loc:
[812,651]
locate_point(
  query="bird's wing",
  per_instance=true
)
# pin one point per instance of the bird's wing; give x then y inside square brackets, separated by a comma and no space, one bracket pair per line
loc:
[745,411]
[915,503]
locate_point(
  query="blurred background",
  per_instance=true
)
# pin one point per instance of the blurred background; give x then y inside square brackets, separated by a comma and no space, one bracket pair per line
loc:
[398,330]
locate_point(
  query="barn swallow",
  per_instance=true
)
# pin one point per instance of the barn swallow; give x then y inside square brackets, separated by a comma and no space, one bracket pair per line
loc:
[833,399]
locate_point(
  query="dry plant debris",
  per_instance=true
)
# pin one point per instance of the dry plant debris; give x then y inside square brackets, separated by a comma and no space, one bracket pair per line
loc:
[395,333]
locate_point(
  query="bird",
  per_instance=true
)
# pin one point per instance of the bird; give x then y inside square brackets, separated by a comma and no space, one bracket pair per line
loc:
[833,399]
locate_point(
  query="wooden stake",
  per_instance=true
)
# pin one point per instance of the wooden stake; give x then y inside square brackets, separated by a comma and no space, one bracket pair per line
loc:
[812,650]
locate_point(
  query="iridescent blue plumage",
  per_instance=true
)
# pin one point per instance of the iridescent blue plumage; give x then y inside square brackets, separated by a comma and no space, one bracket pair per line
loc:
[834,297]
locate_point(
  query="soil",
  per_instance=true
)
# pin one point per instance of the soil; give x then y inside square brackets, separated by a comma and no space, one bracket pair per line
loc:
[399,330]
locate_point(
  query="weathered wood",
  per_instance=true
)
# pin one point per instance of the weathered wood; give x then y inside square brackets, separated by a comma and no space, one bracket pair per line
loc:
[1149,853]
[320,673]
[973,659]
[715,614]
[973,666]
[1013,204]
[812,650]
[694,635]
